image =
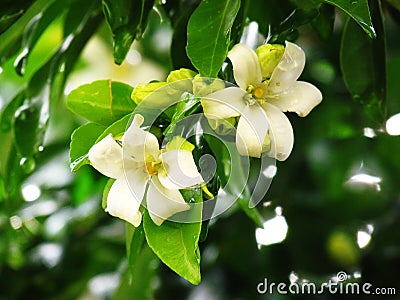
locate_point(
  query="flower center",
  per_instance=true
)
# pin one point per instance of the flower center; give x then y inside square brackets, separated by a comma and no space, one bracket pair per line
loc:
[255,95]
[153,167]
[258,92]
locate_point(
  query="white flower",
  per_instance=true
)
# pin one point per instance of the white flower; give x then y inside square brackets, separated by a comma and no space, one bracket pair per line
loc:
[139,165]
[263,127]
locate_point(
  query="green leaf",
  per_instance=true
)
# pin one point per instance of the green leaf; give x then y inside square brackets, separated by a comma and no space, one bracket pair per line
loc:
[83,138]
[105,193]
[10,39]
[102,101]
[359,11]
[324,22]
[117,128]
[208,35]
[179,143]
[48,83]
[30,123]
[139,282]
[184,107]
[176,244]
[394,3]
[287,29]
[35,29]
[134,243]
[79,162]
[127,20]
[233,177]
[10,13]
[179,55]
[239,23]
[363,64]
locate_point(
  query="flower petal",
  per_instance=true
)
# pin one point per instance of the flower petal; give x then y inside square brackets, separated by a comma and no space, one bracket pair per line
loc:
[162,203]
[224,103]
[288,70]
[121,202]
[180,170]
[139,144]
[106,157]
[246,67]
[252,131]
[300,98]
[280,133]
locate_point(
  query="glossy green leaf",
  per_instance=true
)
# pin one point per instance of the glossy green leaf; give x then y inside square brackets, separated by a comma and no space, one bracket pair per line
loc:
[102,101]
[233,177]
[179,56]
[117,128]
[363,64]
[105,193]
[11,38]
[288,28]
[239,23]
[395,4]
[176,244]
[35,29]
[48,84]
[139,282]
[208,35]
[134,243]
[184,107]
[359,11]
[127,20]
[9,158]
[11,11]
[30,122]
[324,22]
[79,162]
[83,138]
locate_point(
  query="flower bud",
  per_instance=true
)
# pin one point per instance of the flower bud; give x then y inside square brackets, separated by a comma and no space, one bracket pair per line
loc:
[142,90]
[180,74]
[203,86]
[269,57]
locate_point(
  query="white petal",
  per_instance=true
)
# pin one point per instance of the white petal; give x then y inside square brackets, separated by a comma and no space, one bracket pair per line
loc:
[162,203]
[106,157]
[288,70]
[122,204]
[180,170]
[137,181]
[252,130]
[224,103]
[139,144]
[281,133]
[246,67]
[300,98]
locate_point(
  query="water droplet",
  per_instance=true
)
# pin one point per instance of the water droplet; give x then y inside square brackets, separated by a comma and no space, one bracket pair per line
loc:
[27,164]
[20,62]
[40,148]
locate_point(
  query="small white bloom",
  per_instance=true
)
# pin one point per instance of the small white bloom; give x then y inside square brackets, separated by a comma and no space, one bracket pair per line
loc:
[263,127]
[140,163]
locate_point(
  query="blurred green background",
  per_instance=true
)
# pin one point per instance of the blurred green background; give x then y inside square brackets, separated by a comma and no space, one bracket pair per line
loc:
[338,192]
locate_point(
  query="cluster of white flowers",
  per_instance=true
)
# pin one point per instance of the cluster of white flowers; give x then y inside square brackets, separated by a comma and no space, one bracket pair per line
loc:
[267,87]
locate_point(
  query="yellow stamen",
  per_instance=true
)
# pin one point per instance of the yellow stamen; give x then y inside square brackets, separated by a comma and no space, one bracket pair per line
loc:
[258,92]
[151,169]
